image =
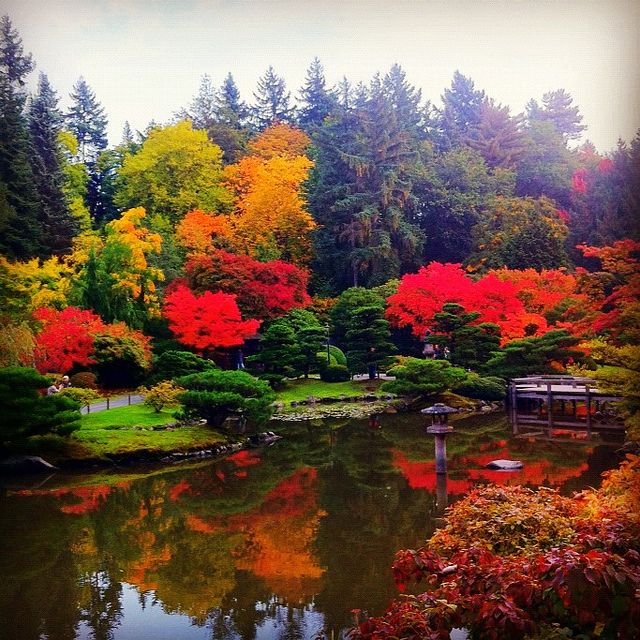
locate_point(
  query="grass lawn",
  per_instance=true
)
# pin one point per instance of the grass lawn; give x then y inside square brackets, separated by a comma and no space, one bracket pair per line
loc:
[297,390]
[136,415]
[124,431]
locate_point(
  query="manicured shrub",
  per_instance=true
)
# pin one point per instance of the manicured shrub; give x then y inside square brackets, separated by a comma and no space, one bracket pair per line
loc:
[274,380]
[335,373]
[173,364]
[84,380]
[338,355]
[415,377]
[475,386]
[216,395]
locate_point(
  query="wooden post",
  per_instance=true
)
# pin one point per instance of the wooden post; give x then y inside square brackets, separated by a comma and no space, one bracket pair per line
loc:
[587,393]
[129,399]
[513,399]
[107,402]
[549,411]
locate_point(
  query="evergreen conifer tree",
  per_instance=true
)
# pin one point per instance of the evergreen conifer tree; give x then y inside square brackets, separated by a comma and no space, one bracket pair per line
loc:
[317,101]
[272,101]
[58,225]
[19,228]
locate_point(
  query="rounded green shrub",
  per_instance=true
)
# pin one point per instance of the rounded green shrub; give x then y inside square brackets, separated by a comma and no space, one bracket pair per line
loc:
[479,388]
[335,373]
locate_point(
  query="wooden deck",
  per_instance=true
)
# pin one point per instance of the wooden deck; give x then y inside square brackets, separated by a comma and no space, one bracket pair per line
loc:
[562,407]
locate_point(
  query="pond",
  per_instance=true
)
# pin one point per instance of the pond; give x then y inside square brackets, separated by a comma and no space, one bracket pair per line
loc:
[273,543]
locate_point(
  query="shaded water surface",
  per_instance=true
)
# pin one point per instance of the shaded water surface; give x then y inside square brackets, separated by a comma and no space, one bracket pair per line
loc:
[275,543]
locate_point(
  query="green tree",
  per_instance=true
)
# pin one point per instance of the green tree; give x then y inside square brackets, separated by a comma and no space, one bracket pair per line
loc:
[87,121]
[26,412]
[361,330]
[497,136]
[171,364]
[271,101]
[317,102]
[19,227]
[451,191]
[462,106]
[423,378]
[59,225]
[176,170]
[535,355]
[279,350]
[557,108]
[546,166]
[470,344]
[216,395]
[361,195]
[521,233]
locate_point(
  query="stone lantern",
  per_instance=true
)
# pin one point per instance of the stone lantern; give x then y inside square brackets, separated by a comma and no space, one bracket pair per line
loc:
[440,429]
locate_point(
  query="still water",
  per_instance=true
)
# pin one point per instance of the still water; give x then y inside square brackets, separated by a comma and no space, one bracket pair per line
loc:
[274,543]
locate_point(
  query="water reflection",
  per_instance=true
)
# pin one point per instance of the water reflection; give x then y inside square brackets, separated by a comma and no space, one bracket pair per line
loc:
[276,543]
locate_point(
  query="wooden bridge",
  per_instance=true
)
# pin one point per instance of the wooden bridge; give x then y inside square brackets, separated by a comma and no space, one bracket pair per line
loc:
[561,407]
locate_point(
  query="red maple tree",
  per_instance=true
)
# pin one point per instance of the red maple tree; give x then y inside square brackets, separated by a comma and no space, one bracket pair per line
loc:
[421,295]
[66,338]
[263,290]
[208,321]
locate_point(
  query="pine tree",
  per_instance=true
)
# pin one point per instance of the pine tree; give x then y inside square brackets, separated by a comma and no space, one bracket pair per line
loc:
[317,101]
[19,229]
[58,225]
[87,121]
[404,99]
[461,109]
[229,130]
[272,101]
[202,110]
[557,109]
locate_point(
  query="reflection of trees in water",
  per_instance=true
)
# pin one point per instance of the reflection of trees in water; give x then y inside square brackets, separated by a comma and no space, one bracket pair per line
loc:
[295,535]
[101,604]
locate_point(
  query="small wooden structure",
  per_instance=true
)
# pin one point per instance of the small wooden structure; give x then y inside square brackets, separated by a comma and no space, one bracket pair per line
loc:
[555,406]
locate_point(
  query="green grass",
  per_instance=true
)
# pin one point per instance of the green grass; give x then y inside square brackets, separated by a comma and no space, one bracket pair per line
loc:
[123,431]
[136,415]
[297,390]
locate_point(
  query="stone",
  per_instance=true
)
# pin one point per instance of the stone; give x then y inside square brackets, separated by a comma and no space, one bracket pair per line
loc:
[26,464]
[505,465]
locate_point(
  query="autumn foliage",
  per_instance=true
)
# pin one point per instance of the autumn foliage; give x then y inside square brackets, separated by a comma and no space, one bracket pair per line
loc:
[513,563]
[66,338]
[262,289]
[421,295]
[208,321]
[198,232]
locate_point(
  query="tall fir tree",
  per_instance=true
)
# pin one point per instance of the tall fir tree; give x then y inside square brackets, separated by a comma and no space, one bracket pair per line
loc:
[272,101]
[229,129]
[317,101]
[58,225]
[19,205]
[558,109]
[86,119]
[462,104]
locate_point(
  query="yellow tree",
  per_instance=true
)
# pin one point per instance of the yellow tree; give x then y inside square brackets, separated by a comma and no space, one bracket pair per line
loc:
[177,169]
[270,220]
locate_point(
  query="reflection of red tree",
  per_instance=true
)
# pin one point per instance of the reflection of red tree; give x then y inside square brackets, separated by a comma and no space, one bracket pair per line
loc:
[90,498]
[277,536]
[178,489]
[147,563]
[244,458]
[421,474]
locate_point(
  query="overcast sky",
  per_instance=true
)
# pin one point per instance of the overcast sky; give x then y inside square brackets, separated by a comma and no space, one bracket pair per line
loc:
[144,59]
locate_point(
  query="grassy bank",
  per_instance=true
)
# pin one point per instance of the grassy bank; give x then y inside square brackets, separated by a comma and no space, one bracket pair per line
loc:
[131,431]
